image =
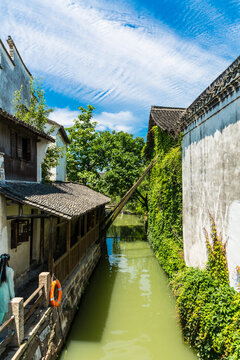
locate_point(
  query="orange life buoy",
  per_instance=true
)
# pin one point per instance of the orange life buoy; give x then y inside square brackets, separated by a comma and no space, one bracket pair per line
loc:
[55,303]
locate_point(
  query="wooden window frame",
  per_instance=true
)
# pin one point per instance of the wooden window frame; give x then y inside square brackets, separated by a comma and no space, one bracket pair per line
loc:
[20,232]
[21,147]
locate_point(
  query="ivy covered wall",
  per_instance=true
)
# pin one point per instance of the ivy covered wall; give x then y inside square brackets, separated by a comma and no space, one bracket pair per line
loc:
[165,203]
[208,307]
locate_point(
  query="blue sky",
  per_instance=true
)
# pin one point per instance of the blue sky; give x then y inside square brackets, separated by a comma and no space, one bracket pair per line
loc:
[122,56]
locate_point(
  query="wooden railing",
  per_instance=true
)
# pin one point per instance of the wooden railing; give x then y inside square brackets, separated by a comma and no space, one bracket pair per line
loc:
[33,302]
[6,333]
[66,264]
[21,311]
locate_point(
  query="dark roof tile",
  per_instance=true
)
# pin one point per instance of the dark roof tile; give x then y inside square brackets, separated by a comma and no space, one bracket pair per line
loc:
[166,117]
[227,82]
[21,123]
[64,199]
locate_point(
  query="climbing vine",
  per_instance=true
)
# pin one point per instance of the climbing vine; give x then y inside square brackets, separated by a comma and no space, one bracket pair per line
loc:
[165,203]
[208,307]
[216,249]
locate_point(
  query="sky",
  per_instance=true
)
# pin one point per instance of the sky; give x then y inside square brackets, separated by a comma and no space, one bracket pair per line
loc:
[122,56]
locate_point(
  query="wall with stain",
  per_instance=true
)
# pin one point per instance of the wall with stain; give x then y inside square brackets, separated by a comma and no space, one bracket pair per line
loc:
[13,74]
[211,182]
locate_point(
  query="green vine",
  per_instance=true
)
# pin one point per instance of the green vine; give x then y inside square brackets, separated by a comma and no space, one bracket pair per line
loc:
[217,260]
[208,307]
[165,203]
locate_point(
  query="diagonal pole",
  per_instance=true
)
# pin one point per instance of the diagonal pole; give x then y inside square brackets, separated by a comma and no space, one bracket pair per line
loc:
[114,213]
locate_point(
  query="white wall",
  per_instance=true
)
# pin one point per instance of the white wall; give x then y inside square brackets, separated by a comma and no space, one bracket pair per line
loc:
[41,152]
[211,182]
[20,257]
[3,226]
[58,173]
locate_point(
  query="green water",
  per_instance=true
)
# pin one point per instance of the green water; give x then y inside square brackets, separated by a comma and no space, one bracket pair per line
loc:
[127,312]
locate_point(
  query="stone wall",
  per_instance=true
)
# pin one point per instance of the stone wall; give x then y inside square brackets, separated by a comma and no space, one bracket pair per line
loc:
[47,336]
[211,174]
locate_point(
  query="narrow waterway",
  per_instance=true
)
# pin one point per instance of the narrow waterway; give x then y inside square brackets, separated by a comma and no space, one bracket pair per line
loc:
[128,311]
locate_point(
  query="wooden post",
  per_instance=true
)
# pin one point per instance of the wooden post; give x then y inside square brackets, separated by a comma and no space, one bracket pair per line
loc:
[31,238]
[50,246]
[85,223]
[42,221]
[68,244]
[86,234]
[17,310]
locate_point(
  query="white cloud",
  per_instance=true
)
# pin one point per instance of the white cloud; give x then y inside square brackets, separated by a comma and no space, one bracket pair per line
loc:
[91,52]
[64,116]
[120,121]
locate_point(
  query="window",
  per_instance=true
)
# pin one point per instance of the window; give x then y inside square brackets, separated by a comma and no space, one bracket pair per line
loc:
[26,149]
[20,232]
[20,147]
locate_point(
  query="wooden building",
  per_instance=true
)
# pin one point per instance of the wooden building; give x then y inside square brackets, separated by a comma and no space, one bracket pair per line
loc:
[45,226]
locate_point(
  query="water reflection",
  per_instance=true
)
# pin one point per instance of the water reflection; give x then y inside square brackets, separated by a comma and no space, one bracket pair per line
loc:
[128,312]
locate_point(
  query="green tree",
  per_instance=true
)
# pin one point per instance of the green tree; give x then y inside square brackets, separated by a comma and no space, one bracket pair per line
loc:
[81,161]
[108,161]
[121,164]
[36,113]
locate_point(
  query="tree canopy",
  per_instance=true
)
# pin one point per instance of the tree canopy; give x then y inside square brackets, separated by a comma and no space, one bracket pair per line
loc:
[108,161]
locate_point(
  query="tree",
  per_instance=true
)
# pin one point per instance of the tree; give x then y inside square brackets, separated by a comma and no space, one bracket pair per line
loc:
[81,163]
[36,113]
[110,162]
[122,163]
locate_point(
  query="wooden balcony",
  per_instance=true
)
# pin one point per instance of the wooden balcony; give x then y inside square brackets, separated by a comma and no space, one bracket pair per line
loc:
[66,264]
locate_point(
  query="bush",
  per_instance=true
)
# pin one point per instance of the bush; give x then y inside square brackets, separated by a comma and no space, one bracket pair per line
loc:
[209,309]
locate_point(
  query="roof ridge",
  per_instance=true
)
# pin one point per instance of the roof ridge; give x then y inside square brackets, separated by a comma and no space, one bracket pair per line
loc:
[166,108]
[225,83]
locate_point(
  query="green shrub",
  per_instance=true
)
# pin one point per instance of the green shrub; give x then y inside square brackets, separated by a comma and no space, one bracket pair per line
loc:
[209,309]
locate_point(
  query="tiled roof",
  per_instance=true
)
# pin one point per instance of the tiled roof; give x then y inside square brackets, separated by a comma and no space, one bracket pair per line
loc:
[225,84]
[166,117]
[61,129]
[62,199]
[21,123]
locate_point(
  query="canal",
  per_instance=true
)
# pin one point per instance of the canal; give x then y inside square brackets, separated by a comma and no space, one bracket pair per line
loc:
[128,311]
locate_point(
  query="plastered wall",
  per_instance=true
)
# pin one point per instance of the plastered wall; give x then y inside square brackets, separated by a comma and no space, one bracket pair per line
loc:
[211,182]
[12,76]
[58,173]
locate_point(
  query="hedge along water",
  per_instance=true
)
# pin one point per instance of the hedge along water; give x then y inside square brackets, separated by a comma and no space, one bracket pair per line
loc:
[208,307]
[128,311]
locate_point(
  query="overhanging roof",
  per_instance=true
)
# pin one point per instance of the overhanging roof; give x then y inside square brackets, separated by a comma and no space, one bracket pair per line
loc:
[166,118]
[61,130]
[25,125]
[63,199]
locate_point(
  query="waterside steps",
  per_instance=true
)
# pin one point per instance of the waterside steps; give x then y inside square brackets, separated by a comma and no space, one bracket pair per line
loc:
[118,208]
